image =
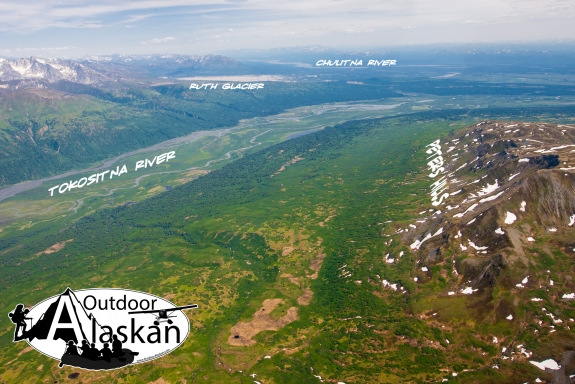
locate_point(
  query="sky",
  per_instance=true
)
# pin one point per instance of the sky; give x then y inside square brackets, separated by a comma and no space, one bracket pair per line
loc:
[76,28]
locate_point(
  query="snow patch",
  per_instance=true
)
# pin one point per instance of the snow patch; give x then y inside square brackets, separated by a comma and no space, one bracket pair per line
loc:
[510,218]
[417,244]
[475,246]
[468,291]
[488,189]
[549,363]
[510,317]
[499,231]
[492,197]
[523,204]
[569,296]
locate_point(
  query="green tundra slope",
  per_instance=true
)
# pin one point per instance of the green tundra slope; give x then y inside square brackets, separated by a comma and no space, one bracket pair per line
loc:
[319,231]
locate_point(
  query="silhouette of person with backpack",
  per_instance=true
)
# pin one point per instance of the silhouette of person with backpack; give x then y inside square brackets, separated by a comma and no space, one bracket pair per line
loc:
[19,318]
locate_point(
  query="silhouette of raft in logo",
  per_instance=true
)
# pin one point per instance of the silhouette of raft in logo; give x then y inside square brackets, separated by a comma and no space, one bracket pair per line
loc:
[101,363]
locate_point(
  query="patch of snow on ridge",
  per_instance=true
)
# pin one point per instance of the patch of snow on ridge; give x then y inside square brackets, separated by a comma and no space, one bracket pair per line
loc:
[417,244]
[492,197]
[471,208]
[571,220]
[488,189]
[468,291]
[549,363]
[475,246]
[523,204]
[562,146]
[499,231]
[510,218]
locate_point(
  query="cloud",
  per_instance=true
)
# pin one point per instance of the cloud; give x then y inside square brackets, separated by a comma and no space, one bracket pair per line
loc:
[162,40]
[36,51]
[159,40]
[264,23]
[45,49]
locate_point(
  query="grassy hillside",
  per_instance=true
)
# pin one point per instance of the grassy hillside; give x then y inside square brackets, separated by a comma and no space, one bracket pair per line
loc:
[306,229]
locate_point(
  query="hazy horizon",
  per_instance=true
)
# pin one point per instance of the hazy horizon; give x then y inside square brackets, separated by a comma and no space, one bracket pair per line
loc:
[76,28]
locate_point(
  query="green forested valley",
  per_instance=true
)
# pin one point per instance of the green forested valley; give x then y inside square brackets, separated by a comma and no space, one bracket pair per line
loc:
[297,228]
[44,132]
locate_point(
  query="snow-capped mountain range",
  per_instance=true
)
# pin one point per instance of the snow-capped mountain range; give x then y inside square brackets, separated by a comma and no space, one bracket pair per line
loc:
[96,69]
[49,70]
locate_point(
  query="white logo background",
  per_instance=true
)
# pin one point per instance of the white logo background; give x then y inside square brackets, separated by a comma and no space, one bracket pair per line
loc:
[96,312]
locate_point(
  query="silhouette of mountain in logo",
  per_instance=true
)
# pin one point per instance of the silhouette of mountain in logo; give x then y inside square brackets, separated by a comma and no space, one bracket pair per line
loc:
[65,319]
